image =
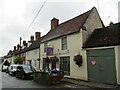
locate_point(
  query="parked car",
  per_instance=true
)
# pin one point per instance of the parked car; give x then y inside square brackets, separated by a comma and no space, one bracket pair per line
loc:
[4,67]
[7,70]
[12,69]
[25,72]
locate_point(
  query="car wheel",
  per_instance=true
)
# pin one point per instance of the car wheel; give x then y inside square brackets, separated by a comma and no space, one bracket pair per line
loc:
[23,77]
[9,73]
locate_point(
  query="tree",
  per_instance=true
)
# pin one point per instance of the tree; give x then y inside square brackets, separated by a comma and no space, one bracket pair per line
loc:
[111,23]
[17,60]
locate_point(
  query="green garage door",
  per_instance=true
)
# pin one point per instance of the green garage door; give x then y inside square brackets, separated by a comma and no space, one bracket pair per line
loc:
[101,65]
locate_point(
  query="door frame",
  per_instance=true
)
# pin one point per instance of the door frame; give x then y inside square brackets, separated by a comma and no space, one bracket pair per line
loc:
[102,49]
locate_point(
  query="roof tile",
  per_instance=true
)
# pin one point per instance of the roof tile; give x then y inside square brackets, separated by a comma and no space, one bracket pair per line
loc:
[68,27]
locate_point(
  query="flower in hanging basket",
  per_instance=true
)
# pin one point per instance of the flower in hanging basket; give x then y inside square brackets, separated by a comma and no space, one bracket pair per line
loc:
[54,59]
[78,60]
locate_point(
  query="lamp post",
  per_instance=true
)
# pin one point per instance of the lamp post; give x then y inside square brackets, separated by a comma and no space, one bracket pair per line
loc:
[20,48]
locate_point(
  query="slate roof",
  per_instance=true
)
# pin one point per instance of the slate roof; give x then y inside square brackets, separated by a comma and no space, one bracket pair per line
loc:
[68,27]
[15,52]
[35,44]
[108,36]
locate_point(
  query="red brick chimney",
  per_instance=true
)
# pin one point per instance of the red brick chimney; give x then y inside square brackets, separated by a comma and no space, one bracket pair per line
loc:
[54,23]
[32,38]
[24,43]
[18,47]
[14,48]
[37,35]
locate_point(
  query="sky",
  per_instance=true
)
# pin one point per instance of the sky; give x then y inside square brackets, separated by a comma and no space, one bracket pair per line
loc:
[17,15]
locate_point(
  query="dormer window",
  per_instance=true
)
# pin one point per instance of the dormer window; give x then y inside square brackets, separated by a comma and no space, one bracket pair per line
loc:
[64,43]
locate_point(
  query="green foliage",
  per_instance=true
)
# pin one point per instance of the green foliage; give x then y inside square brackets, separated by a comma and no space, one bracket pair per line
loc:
[114,26]
[17,60]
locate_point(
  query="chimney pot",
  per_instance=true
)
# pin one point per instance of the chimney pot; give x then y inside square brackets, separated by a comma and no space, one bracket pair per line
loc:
[14,48]
[32,38]
[18,47]
[37,35]
[54,23]
[24,43]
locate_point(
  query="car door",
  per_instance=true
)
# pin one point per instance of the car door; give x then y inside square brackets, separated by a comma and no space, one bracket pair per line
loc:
[10,70]
[19,70]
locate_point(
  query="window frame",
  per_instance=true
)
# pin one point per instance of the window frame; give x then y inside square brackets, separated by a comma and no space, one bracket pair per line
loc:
[64,43]
[45,47]
[45,64]
[65,65]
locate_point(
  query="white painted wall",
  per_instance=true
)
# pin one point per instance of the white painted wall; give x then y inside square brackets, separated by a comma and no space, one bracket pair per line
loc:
[74,48]
[93,22]
[118,64]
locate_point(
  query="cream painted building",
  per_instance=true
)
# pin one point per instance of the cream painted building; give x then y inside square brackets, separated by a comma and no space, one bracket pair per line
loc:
[30,52]
[64,41]
[32,57]
[33,52]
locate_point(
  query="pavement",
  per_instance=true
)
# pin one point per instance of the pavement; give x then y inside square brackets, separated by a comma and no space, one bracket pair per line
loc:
[91,84]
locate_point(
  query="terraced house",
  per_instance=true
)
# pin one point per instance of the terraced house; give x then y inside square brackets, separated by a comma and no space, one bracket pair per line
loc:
[33,51]
[62,45]
[30,51]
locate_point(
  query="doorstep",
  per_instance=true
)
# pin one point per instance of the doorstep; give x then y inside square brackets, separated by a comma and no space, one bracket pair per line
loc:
[89,84]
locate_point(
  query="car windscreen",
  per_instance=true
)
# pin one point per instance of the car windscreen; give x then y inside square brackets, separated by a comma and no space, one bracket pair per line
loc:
[27,68]
[14,67]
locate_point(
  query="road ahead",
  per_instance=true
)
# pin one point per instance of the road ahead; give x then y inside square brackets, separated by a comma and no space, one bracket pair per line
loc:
[13,82]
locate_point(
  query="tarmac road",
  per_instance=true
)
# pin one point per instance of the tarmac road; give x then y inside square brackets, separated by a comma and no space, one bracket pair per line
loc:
[13,82]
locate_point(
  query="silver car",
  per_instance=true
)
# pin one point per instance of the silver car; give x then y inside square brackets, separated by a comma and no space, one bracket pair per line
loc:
[12,69]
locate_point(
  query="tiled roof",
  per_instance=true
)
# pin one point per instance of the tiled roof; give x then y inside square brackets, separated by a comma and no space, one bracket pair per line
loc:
[107,36]
[35,44]
[68,27]
[15,52]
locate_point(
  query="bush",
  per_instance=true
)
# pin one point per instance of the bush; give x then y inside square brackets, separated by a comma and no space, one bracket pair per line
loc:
[17,60]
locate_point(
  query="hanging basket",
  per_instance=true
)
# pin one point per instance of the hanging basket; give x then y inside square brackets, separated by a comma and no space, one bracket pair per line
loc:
[54,59]
[78,60]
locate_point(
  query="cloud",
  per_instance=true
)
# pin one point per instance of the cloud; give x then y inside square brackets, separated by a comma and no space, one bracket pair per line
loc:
[119,11]
[61,10]
[17,15]
[108,8]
